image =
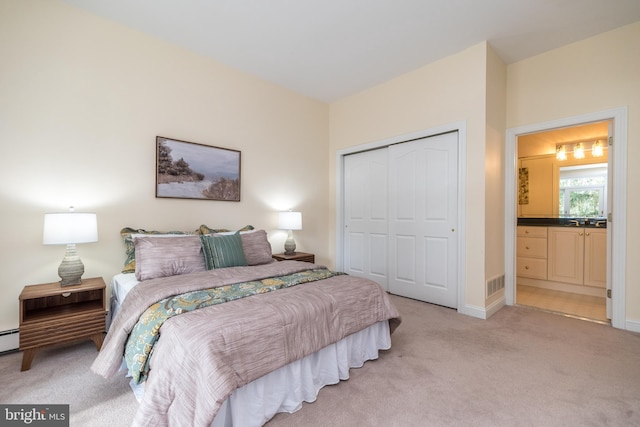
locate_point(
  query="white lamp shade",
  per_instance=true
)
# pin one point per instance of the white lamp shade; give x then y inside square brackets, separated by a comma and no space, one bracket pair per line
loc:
[290,220]
[69,228]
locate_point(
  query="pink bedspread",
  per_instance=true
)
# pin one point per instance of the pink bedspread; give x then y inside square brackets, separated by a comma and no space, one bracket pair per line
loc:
[202,356]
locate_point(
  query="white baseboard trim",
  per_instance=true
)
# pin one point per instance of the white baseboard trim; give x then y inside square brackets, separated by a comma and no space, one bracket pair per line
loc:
[632,325]
[474,311]
[9,340]
[495,306]
[484,312]
[564,287]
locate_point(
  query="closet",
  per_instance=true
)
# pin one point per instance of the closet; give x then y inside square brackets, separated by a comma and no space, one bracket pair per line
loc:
[401,217]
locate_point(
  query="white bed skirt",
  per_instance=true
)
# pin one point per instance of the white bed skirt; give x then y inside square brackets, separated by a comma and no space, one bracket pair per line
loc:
[285,389]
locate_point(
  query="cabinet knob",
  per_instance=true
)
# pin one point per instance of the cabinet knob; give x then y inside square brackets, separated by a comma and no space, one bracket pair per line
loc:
[526,231]
[587,234]
[526,267]
[526,247]
[580,234]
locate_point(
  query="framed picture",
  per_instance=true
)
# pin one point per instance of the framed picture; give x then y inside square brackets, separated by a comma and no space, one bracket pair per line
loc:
[186,170]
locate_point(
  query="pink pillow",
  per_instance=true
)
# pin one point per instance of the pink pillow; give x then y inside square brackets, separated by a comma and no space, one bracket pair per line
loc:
[256,247]
[167,256]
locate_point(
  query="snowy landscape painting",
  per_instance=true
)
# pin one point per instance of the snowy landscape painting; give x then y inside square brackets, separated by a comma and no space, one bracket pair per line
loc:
[187,170]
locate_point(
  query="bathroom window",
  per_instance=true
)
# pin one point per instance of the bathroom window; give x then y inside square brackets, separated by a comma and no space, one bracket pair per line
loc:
[583,190]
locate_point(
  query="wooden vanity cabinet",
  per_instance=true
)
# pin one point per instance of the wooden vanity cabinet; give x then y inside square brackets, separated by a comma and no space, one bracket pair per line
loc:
[578,256]
[531,252]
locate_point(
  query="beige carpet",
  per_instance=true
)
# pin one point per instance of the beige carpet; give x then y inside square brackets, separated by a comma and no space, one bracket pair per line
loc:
[522,367]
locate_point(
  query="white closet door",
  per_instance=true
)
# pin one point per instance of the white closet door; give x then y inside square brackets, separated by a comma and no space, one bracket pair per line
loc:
[365,216]
[423,196]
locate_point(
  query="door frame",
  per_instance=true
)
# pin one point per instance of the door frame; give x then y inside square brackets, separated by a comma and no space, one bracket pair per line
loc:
[461,128]
[617,263]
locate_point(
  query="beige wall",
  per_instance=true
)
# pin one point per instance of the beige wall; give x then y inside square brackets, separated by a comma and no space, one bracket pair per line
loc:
[82,99]
[496,105]
[596,74]
[81,102]
[439,94]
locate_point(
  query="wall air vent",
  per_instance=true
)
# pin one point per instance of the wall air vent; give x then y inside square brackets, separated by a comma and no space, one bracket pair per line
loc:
[494,285]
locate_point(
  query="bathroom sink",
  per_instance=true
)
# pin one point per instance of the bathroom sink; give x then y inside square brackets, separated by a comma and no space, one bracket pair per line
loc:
[589,223]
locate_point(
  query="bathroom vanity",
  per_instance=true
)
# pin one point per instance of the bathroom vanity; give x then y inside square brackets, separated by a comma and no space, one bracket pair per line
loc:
[567,254]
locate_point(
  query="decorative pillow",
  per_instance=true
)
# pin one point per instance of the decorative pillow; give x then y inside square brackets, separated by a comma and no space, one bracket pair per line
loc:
[222,251]
[127,232]
[206,230]
[167,256]
[256,247]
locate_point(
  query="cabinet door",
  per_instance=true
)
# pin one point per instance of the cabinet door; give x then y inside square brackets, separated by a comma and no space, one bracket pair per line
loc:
[566,255]
[595,258]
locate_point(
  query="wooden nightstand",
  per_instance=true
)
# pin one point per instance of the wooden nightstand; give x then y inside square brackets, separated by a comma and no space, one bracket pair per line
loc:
[53,314]
[298,256]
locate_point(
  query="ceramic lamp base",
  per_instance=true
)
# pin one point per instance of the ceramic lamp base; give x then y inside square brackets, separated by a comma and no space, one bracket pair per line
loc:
[71,268]
[290,245]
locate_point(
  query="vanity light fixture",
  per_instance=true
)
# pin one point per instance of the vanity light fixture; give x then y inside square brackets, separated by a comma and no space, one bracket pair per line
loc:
[596,149]
[579,148]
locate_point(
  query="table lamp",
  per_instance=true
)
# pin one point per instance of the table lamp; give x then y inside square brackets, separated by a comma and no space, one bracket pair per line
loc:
[70,228]
[290,221]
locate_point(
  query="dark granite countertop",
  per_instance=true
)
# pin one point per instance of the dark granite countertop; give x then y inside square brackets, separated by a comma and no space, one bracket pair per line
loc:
[599,222]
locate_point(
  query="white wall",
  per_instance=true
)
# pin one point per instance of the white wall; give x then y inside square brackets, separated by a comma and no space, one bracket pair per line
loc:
[81,102]
[593,75]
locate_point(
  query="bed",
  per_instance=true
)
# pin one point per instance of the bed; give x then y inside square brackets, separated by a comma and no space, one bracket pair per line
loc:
[261,338]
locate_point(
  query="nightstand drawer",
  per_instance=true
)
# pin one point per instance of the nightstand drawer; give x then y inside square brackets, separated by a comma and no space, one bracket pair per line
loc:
[80,326]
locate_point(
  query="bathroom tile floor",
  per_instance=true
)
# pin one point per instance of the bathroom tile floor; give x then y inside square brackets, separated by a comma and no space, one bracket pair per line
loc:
[583,306]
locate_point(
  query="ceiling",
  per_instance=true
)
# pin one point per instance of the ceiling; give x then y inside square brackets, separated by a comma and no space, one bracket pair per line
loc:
[329,49]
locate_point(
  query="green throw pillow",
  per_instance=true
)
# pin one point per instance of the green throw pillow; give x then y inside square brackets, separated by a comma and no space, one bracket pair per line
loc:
[223,251]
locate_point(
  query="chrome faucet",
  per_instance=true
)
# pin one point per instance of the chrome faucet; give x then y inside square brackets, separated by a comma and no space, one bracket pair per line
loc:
[575,222]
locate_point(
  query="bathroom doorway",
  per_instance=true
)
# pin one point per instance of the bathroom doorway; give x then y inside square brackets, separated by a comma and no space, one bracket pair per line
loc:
[616,217]
[562,181]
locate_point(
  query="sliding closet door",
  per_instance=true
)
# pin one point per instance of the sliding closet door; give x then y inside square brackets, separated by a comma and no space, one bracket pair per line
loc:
[365,215]
[423,196]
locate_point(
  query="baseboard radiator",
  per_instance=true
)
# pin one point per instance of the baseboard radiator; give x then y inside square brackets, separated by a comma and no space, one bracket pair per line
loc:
[9,340]
[495,285]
